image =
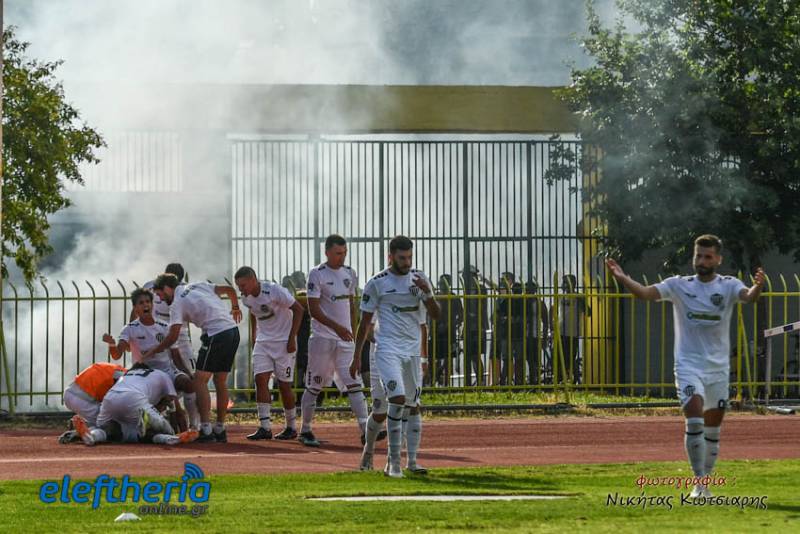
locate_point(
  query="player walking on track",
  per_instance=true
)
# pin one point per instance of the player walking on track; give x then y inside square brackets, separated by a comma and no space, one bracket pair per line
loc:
[395,294]
[331,291]
[702,307]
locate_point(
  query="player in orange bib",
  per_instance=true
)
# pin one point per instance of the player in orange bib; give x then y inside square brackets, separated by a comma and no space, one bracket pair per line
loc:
[84,394]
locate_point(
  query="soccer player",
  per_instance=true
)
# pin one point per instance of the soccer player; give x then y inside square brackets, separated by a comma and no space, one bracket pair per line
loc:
[331,288]
[144,333]
[184,343]
[380,405]
[275,318]
[200,304]
[702,307]
[84,394]
[395,293]
[135,402]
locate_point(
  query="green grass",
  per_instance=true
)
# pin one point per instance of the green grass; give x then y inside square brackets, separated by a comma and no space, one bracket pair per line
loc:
[278,503]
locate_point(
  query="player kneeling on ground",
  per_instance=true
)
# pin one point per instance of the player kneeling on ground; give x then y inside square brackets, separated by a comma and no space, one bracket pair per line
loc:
[275,319]
[84,395]
[702,307]
[395,294]
[134,403]
[143,334]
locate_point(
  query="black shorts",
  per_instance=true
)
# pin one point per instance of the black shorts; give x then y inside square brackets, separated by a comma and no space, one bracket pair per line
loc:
[218,351]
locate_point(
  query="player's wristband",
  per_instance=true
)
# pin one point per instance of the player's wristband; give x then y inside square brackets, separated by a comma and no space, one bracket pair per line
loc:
[424,359]
[427,296]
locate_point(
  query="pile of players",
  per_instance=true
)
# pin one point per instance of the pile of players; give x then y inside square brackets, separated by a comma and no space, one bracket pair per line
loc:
[141,404]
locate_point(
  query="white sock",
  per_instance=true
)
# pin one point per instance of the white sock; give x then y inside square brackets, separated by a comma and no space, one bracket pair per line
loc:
[291,416]
[695,445]
[166,439]
[308,405]
[413,437]
[264,409]
[394,424]
[205,428]
[406,411]
[190,401]
[358,403]
[373,428]
[98,434]
[218,427]
[712,447]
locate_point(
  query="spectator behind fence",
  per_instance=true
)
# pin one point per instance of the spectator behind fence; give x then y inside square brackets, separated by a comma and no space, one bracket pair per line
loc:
[477,320]
[501,325]
[444,338]
[538,326]
[296,284]
[572,312]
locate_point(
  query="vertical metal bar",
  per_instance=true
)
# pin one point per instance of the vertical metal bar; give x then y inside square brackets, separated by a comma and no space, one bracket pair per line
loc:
[315,160]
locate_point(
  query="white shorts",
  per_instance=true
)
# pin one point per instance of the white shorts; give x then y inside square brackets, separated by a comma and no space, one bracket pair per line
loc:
[123,407]
[329,357]
[713,388]
[78,402]
[380,403]
[400,375]
[271,357]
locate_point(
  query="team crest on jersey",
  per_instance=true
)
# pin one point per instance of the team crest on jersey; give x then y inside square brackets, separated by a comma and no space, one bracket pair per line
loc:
[391,385]
[717,299]
[365,298]
[688,390]
[311,287]
[318,379]
[414,290]
[346,283]
[266,309]
[159,337]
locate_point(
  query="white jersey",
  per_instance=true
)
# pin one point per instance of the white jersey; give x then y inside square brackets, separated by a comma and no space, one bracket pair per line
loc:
[150,383]
[400,311]
[702,313]
[161,310]
[143,337]
[272,310]
[333,288]
[200,305]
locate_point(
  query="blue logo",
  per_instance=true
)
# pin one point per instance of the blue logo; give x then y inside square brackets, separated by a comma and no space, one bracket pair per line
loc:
[190,487]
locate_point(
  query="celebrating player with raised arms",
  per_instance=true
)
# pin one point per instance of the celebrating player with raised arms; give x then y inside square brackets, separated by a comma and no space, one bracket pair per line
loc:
[702,307]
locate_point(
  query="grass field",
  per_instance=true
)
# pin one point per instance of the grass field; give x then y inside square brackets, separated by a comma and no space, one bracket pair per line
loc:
[279,503]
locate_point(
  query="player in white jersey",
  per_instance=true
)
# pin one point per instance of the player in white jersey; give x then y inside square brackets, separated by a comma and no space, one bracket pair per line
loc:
[331,291]
[161,313]
[134,402]
[199,303]
[275,318]
[184,343]
[400,295]
[702,307]
[380,403]
[145,333]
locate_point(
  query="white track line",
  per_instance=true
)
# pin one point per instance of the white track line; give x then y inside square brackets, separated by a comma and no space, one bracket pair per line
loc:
[443,498]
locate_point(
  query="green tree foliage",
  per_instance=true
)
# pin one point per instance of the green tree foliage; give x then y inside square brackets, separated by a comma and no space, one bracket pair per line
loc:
[695,117]
[44,143]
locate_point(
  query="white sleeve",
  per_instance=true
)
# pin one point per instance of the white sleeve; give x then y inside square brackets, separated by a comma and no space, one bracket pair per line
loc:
[369,299]
[283,298]
[176,310]
[665,288]
[125,335]
[168,384]
[313,285]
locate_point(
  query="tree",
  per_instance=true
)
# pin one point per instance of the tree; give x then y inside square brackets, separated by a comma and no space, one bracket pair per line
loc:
[695,121]
[45,142]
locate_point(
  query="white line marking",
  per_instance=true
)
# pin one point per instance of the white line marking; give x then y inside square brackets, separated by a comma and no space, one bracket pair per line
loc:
[443,498]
